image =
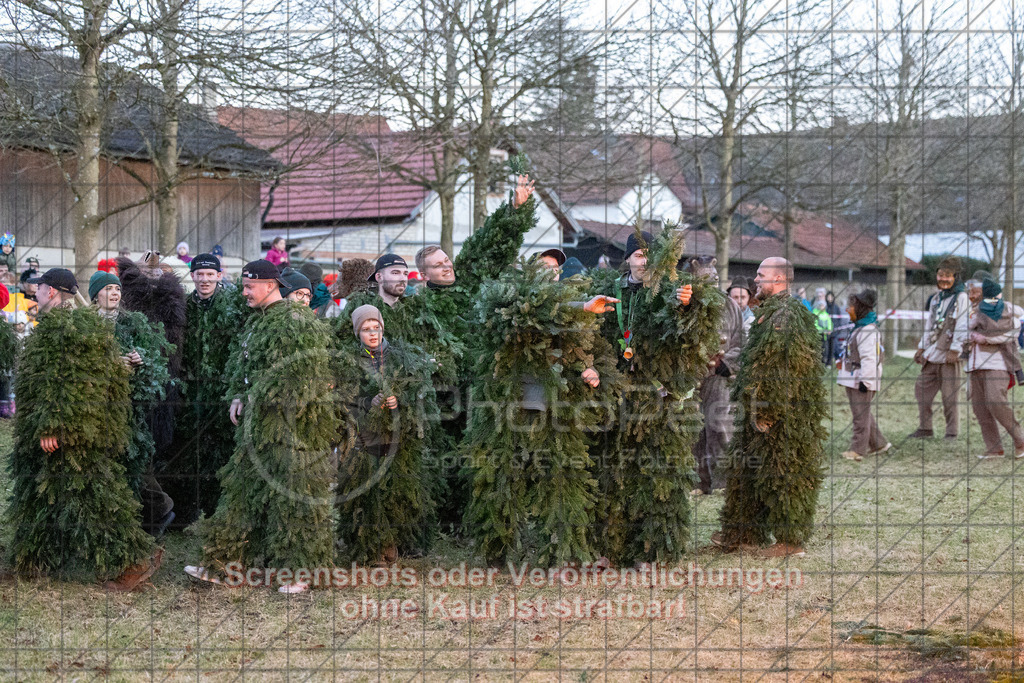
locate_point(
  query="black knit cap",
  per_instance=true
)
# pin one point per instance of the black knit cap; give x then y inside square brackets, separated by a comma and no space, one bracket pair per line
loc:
[556,254]
[204,262]
[633,243]
[386,261]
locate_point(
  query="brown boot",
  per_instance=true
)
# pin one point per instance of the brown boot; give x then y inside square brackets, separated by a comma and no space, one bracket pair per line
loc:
[136,576]
[782,550]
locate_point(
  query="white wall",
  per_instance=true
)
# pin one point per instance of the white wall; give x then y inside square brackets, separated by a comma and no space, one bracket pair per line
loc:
[959,243]
[659,204]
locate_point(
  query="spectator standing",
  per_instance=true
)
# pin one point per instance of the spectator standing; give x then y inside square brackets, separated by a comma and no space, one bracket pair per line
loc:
[277,253]
[938,352]
[183,254]
[993,365]
[823,323]
[860,372]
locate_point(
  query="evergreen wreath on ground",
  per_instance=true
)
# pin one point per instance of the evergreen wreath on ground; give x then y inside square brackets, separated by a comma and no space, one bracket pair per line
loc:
[386,482]
[205,435]
[774,476]
[71,512]
[275,505]
[648,471]
[148,384]
[534,484]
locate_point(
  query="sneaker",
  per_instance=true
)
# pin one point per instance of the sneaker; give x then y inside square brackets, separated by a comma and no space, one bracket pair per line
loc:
[883,449]
[136,576]
[922,434]
[852,455]
[782,550]
[201,574]
[991,455]
[293,588]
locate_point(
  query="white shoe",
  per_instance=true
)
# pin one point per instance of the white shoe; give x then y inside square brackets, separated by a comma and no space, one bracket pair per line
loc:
[883,449]
[201,574]
[293,588]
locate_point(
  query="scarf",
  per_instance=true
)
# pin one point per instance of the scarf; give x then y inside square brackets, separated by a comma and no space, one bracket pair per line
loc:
[993,308]
[952,291]
[377,357]
[320,297]
[871,317]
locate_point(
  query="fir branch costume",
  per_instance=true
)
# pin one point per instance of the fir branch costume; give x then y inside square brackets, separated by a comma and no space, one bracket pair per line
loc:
[774,476]
[72,512]
[157,293]
[205,435]
[148,384]
[275,506]
[384,484]
[647,470]
[534,487]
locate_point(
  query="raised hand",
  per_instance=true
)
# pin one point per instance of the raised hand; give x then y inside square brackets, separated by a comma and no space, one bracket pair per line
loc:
[591,377]
[524,188]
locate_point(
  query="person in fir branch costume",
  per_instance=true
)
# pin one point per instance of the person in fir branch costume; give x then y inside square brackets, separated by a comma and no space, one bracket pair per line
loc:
[153,289]
[71,511]
[775,465]
[275,505]
[545,380]
[144,351]
[214,317]
[384,488]
[665,331]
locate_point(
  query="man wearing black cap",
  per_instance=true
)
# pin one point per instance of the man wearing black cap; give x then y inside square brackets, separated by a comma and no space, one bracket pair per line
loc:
[214,316]
[275,506]
[71,511]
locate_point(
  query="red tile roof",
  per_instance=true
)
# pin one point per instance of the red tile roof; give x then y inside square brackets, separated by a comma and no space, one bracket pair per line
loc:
[331,174]
[816,245]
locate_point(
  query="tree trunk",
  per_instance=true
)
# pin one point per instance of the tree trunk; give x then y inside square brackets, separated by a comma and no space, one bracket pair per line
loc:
[446,198]
[722,254]
[86,178]
[1009,255]
[895,275]
[167,152]
[482,155]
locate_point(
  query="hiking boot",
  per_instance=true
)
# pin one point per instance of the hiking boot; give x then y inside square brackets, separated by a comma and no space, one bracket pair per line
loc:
[852,455]
[922,434]
[136,576]
[782,550]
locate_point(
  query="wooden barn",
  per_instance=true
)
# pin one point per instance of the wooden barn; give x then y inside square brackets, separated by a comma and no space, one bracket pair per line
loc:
[218,203]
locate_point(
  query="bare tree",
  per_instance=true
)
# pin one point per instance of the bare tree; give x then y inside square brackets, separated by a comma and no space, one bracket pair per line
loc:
[89,29]
[734,62]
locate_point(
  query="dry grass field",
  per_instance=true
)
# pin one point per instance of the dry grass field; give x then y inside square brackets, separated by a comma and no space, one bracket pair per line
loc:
[915,573]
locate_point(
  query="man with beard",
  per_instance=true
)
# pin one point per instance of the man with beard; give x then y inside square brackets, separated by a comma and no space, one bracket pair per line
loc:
[275,505]
[938,352]
[392,278]
[774,469]
[144,350]
[214,316]
[71,511]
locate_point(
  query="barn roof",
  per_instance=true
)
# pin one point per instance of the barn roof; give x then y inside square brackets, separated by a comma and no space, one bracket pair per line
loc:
[338,168]
[37,111]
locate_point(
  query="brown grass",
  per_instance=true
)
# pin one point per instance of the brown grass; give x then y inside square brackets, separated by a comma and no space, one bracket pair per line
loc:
[927,537]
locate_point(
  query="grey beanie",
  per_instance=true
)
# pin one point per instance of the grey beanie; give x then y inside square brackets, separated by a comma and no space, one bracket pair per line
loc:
[364,313]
